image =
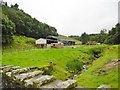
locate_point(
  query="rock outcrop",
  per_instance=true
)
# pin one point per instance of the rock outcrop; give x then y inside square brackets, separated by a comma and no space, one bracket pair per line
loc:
[16,77]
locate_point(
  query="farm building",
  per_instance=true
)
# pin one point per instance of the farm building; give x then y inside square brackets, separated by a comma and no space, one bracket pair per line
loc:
[48,43]
[70,42]
[52,41]
[41,43]
[56,40]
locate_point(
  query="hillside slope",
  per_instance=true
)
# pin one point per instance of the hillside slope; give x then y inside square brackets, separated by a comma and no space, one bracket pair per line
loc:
[20,43]
[68,38]
[16,21]
[104,70]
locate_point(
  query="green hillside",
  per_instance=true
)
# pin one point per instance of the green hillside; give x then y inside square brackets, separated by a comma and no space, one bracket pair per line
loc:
[104,70]
[65,63]
[20,43]
[16,22]
[68,38]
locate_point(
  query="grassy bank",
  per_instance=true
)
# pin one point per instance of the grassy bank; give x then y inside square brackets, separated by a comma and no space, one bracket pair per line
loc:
[20,43]
[101,71]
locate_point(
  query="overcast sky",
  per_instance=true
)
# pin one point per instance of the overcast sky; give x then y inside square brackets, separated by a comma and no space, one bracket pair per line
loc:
[72,17]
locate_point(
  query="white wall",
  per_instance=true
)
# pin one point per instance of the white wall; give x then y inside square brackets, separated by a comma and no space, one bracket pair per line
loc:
[41,41]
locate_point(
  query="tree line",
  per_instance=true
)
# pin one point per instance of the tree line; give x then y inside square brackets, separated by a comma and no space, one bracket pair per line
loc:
[16,22]
[112,37]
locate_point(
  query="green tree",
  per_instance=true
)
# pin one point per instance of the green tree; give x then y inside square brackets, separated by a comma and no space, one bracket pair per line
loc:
[6,4]
[16,5]
[84,38]
[75,37]
[117,34]
[26,25]
[8,28]
[114,35]
[102,36]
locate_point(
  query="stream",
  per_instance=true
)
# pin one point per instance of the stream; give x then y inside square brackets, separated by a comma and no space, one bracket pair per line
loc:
[78,73]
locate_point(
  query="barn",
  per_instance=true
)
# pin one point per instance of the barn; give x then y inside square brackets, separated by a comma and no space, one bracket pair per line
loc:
[52,41]
[41,43]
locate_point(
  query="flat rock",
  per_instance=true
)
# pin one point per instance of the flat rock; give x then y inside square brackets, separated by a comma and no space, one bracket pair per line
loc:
[55,84]
[39,80]
[8,68]
[22,70]
[61,84]
[28,75]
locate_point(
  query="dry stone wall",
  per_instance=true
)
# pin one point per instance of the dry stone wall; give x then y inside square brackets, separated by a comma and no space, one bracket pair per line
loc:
[17,77]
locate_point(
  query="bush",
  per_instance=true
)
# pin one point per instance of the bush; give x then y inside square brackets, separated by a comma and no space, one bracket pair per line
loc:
[49,68]
[74,65]
[97,52]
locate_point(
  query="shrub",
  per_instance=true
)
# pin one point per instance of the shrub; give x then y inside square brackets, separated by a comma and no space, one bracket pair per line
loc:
[49,68]
[97,52]
[74,65]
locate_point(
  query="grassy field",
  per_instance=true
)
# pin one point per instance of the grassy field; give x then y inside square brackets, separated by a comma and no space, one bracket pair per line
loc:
[95,56]
[42,57]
